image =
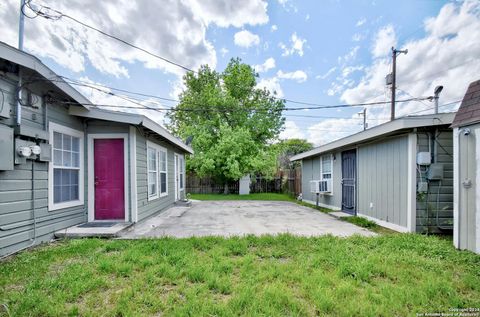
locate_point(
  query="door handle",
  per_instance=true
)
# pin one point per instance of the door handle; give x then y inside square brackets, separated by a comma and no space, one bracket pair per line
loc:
[96,181]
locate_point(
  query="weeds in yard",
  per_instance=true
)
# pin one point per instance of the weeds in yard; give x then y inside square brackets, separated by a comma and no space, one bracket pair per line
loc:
[270,276]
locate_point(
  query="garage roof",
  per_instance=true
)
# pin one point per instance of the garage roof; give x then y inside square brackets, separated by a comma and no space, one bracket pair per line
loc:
[384,129]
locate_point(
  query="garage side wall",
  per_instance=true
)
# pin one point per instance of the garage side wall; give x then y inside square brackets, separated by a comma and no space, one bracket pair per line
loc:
[382,180]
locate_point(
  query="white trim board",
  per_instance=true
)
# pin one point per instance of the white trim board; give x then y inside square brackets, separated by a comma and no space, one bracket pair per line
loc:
[456,188]
[477,191]
[55,127]
[412,183]
[91,172]
[385,224]
[133,173]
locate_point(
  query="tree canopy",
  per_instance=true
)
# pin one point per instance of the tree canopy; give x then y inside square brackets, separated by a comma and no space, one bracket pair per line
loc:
[285,149]
[231,121]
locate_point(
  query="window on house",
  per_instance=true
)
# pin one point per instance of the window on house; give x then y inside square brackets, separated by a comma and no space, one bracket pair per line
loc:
[152,172]
[163,172]
[66,169]
[182,171]
[326,167]
[157,171]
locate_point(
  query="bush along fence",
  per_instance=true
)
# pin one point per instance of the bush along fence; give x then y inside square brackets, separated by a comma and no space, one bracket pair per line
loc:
[285,181]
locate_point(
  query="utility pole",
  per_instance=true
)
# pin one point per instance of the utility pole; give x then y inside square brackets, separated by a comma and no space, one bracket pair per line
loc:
[21,23]
[395,52]
[364,114]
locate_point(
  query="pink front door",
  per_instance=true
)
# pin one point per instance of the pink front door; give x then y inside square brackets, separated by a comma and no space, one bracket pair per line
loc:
[109,179]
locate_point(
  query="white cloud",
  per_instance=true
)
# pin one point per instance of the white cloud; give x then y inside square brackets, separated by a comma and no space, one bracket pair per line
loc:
[332,129]
[273,28]
[296,46]
[350,56]
[271,84]
[307,17]
[224,51]
[229,13]
[173,29]
[328,73]
[361,22]
[357,37]
[384,40]
[292,131]
[246,39]
[299,75]
[100,95]
[266,66]
[447,55]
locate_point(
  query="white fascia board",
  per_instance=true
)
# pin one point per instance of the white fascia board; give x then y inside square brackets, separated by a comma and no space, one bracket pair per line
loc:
[155,127]
[29,61]
[115,116]
[130,118]
[380,130]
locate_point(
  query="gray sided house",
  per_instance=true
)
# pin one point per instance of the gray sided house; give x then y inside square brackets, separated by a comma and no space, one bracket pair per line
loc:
[466,143]
[398,174]
[63,162]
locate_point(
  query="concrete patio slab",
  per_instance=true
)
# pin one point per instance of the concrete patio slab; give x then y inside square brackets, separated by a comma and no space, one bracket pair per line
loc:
[238,218]
[99,232]
[339,214]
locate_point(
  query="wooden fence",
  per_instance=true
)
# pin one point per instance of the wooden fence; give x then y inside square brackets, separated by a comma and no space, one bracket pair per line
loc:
[287,181]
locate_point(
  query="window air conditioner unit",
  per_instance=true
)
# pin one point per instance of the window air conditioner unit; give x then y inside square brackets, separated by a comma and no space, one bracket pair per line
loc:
[321,186]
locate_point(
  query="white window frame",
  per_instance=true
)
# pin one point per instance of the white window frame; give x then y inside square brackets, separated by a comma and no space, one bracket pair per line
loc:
[331,166]
[55,127]
[164,150]
[331,171]
[157,149]
[181,163]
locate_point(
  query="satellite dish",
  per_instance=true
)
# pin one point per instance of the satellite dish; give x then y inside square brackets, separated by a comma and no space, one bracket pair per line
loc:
[189,140]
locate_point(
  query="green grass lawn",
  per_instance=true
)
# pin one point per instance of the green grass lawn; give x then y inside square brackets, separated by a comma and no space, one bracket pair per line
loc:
[260,196]
[396,275]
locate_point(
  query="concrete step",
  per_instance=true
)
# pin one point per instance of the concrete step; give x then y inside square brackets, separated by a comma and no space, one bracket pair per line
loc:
[183,203]
[77,232]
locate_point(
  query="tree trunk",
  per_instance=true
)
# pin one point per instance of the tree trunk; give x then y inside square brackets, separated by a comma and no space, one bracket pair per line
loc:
[225,189]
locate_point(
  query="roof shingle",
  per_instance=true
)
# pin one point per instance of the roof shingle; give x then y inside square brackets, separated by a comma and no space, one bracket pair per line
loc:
[469,111]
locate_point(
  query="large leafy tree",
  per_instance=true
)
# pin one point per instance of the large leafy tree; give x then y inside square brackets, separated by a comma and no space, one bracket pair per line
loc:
[231,120]
[285,149]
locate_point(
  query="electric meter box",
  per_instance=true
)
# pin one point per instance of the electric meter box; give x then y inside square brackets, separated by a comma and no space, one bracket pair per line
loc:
[435,172]
[6,146]
[424,158]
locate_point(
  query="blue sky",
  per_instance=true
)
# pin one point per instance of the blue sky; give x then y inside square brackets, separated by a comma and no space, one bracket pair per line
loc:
[325,52]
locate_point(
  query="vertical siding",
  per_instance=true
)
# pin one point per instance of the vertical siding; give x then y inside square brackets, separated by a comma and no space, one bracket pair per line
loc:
[382,181]
[16,196]
[443,191]
[311,171]
[147,208]
[468,167]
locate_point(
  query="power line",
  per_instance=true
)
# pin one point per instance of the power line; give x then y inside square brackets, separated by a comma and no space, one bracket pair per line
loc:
[61,15]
